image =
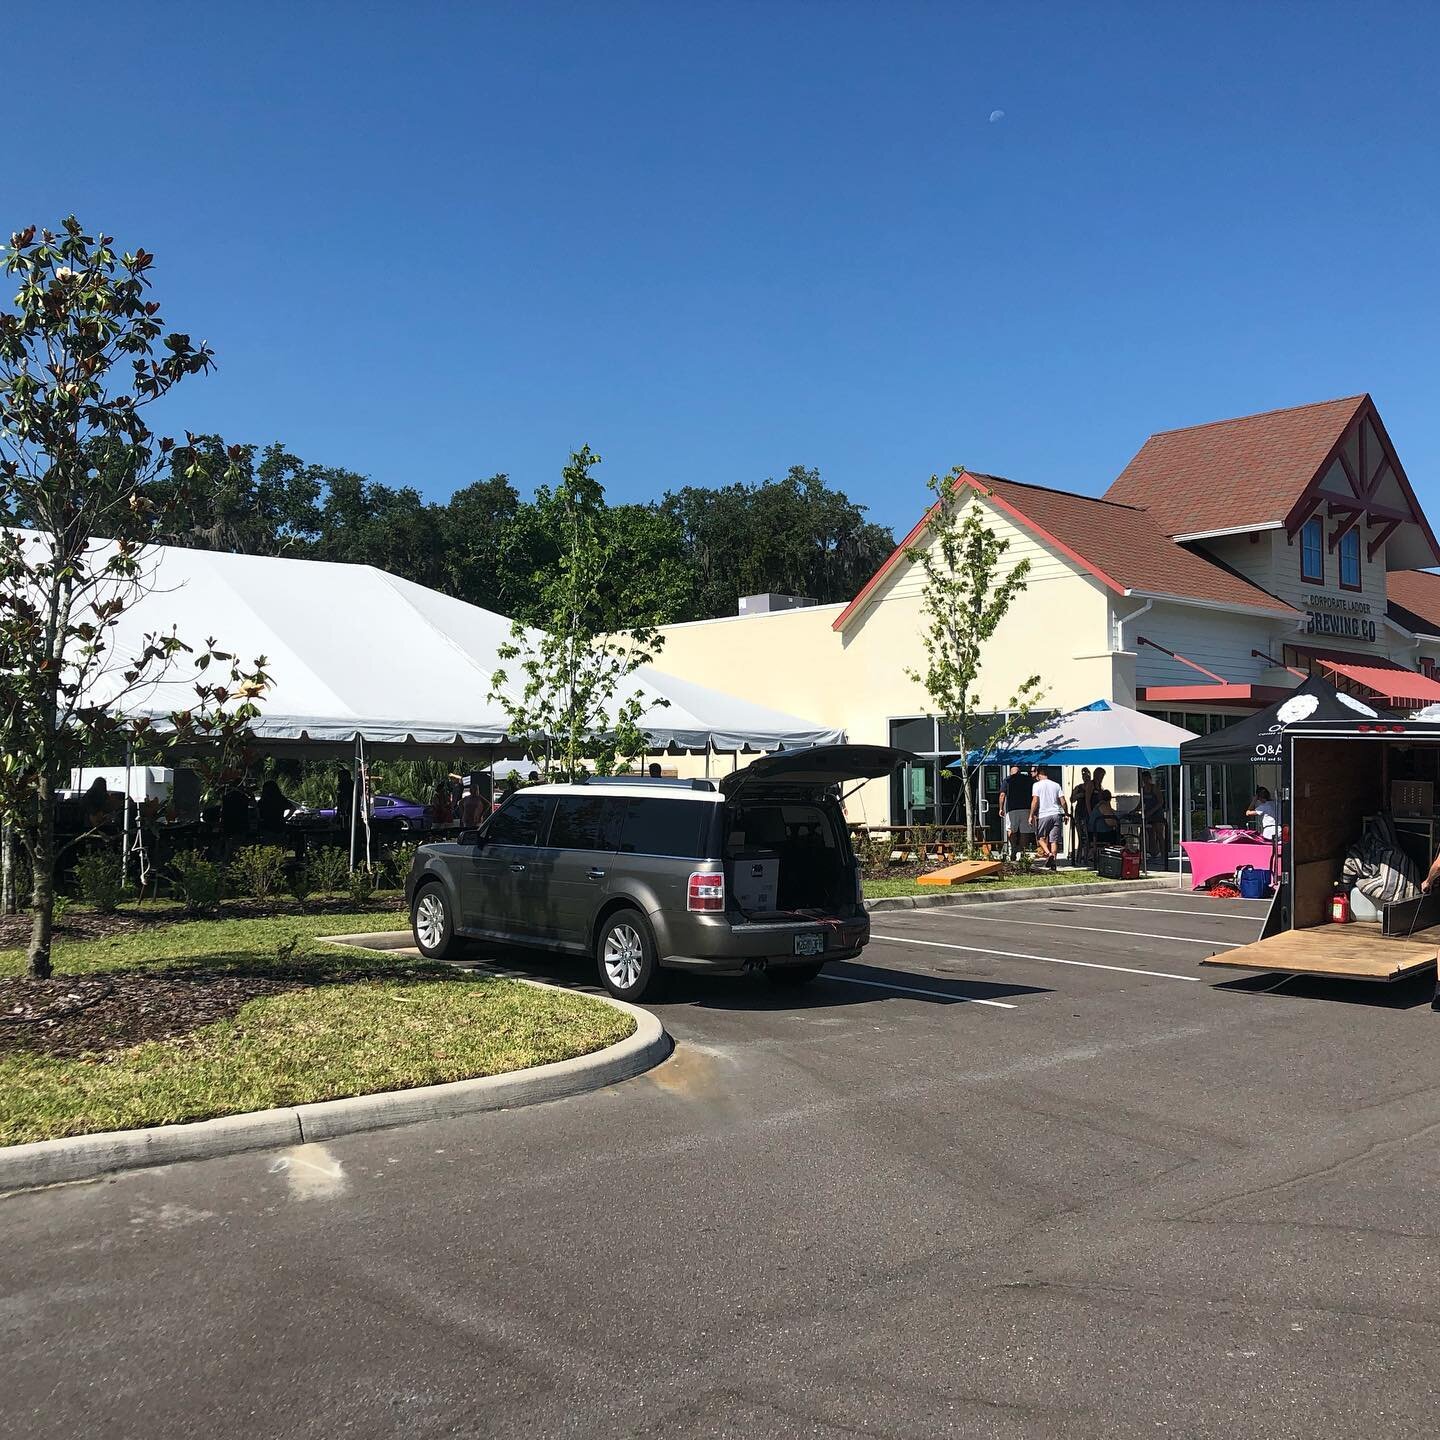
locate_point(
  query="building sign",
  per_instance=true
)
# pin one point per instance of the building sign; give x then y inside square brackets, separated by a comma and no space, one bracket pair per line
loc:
[1335,615]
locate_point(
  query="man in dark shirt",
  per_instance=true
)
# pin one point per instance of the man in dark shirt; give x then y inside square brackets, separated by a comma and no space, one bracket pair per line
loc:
[1015,806]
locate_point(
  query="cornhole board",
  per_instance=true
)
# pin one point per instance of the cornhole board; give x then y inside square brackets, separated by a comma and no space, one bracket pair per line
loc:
[1350,952]
[960,873]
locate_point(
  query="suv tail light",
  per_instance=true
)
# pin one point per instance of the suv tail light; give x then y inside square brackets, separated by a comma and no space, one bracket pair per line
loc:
[706,891]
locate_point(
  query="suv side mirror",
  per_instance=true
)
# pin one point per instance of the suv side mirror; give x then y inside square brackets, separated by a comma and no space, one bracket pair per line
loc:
[469,837]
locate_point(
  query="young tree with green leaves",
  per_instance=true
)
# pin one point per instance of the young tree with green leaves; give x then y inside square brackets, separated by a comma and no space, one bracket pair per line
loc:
[968,591]
[563,700]
[82,356]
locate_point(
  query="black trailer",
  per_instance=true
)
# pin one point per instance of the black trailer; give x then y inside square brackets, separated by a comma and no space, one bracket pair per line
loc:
[1336,773]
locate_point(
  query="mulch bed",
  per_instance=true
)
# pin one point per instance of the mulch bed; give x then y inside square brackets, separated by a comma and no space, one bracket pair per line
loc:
[86,925]
[82,1014]
[82,925]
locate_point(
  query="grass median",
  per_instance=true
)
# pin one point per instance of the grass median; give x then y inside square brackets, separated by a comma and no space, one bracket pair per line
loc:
[1037,879]
[188,1021]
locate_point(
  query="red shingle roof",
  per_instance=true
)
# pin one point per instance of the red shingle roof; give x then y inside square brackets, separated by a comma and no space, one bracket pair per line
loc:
[1415,600]
[1232,473]
[1124,548]
[1120,545]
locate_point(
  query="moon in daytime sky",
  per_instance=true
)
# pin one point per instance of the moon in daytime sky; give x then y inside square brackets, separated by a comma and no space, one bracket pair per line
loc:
[996,115]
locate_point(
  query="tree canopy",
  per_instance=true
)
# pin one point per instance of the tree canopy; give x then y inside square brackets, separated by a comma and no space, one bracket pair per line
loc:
[688,556]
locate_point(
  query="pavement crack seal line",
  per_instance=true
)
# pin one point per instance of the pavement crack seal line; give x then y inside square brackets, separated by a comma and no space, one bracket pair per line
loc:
[1020,955]
[86,1157]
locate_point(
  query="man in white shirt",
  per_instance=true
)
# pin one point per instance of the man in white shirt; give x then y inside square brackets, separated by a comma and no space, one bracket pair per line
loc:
[1266,813]
[1047,807]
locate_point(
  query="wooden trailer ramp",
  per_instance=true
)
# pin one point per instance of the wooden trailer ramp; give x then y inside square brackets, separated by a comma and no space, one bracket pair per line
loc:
[1348,952]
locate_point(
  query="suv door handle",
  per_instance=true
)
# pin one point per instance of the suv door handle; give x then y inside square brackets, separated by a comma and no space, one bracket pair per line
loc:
[596,873]
[516,868]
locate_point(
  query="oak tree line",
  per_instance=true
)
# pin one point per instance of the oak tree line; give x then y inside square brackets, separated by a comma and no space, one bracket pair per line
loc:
[686,556]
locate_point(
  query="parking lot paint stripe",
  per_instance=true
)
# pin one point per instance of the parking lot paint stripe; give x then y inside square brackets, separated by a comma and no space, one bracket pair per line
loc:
[1090,929]
[1048,959]
[1211,913]
[1149,895]
[910,990]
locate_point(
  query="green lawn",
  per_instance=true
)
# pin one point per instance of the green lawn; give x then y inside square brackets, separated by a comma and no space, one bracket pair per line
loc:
[882,889]
[365,1021]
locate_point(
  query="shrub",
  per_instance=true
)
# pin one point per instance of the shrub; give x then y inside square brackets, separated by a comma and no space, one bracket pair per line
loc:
[198,880]
[362,885]
[329,869]
[300,883]
[259,869]
[100,881]
[399,861]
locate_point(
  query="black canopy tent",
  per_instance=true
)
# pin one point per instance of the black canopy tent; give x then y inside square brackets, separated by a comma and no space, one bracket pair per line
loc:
[1257,738]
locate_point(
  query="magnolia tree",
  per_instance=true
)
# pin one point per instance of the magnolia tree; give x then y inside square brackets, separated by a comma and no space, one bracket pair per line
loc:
[968,590]
[562,698]
[83,355]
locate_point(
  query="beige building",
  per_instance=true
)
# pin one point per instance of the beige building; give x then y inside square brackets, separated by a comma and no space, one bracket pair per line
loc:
[1227,562]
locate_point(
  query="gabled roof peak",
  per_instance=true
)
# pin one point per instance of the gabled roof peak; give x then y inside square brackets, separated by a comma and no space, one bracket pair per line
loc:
[1354,400]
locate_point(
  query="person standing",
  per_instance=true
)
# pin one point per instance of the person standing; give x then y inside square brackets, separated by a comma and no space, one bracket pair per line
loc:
[1047,811]
[1080,817]
[1015,806]
[1157,831]
[1266,813]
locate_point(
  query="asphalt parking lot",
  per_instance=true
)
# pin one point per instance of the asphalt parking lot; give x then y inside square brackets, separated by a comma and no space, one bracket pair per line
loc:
[1024,1169]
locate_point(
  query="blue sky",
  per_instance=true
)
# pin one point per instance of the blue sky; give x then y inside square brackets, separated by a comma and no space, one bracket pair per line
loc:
[430,242]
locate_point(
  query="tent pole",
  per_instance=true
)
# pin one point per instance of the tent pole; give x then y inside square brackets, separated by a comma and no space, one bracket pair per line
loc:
[365,799]
[354,792]
[1183,820]
[708,748]
[125,823]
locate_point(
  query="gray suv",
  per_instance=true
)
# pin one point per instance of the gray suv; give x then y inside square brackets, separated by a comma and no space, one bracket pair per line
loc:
[754,872]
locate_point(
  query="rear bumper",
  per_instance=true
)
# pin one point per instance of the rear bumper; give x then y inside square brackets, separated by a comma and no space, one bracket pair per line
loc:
[722,946]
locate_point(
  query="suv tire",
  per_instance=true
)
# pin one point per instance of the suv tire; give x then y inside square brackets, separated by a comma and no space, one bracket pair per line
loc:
[432,924]
[790,977]
[625,956]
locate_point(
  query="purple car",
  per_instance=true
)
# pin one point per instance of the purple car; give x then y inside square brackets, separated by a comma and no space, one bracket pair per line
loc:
[384,810]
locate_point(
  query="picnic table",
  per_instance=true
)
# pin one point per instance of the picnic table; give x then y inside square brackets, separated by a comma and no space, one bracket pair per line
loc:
[924,841]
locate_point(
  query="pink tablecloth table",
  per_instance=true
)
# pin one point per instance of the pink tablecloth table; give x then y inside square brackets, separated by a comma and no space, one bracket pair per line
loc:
[1209,858]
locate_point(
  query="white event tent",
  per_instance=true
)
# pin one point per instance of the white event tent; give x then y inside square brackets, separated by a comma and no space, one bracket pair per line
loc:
[357,656]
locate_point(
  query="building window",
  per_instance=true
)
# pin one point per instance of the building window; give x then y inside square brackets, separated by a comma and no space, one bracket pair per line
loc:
[1350,560]
[1312,551]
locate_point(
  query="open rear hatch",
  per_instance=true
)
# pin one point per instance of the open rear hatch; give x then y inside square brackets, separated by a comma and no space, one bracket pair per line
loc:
[820,768]
[787,853]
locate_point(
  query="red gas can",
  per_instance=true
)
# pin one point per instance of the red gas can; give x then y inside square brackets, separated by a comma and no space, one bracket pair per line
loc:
[1340,905]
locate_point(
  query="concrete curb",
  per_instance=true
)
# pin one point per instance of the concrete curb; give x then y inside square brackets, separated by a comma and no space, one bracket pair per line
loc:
[84,1157]
[1023,892]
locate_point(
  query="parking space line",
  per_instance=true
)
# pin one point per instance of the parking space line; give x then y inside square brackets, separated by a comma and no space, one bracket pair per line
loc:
[910,990]
[1212,912]
[1094,930]
[1048,959]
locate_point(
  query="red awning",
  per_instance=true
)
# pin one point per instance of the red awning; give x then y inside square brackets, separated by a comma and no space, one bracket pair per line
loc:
[1254,695]
[1392,682]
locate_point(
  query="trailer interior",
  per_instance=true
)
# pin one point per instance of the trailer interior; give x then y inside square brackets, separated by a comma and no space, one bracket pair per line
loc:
[1337,781]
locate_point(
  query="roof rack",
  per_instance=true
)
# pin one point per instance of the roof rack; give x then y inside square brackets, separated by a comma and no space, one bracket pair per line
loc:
[664,782]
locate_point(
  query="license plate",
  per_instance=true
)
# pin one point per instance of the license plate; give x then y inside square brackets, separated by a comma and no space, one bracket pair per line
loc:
[809,944]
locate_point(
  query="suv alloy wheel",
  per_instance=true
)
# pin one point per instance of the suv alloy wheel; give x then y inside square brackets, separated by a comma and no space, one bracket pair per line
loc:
[625,954]
[432,924]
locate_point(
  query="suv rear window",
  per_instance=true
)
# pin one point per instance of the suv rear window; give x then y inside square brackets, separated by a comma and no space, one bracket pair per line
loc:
[519,821]
[666,827]
[587,822]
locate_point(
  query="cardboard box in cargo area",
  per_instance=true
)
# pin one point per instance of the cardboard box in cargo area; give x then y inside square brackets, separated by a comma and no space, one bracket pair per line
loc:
[755,879]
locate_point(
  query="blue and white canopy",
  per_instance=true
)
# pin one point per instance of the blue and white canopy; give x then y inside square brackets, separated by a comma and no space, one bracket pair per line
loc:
[1102,733]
